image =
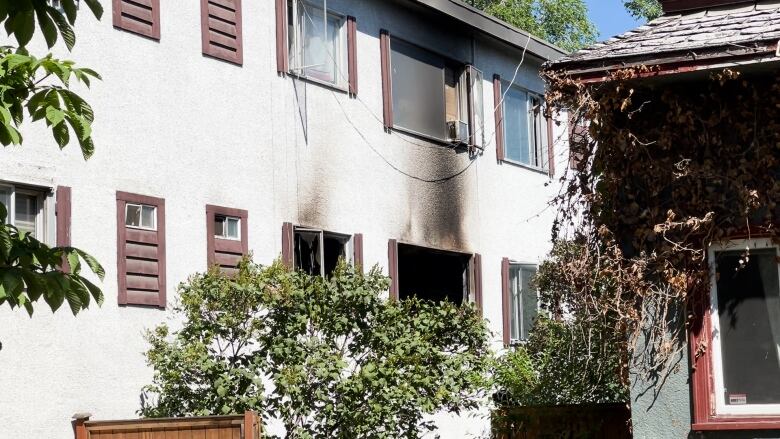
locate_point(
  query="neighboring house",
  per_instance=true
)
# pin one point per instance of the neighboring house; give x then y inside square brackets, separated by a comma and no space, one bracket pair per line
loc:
[221,123]
[731,388]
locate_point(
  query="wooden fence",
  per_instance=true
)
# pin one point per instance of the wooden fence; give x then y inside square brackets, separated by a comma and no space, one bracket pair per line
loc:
[596,421]
[246,426]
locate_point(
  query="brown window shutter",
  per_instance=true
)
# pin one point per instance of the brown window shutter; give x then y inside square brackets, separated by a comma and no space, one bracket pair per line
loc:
[550,147]
[505,301]
[282,57]
[221,30]
[352,55]
[387,83]
[141,255]
[226,253]
[392,267]
[138,16]
[357,246]
[498,114]
[477,274]
[287,245]
[62,211]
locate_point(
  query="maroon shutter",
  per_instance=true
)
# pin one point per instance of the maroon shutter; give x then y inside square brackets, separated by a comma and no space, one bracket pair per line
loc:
[392,267]
[352,55]
[63,214]
[387,84]
[138,16]
[141,255]
[477,273]
[357,245]
[505,301]
[221,29]
[226,253]
[498,114]
[287,245]
[282,57]
[550,147]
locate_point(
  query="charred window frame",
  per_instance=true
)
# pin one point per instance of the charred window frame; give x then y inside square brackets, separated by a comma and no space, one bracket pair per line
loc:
[317,252]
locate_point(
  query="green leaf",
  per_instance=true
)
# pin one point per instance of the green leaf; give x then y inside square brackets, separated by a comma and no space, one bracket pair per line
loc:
[3,214]
[24,26]
[97,294]
[48,28]
[61,134]
[70,8]
[66,30]
[95,7]
[55,116]
[92,263]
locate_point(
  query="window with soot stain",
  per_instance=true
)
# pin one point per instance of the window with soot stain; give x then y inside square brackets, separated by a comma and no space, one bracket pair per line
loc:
[433,275]
[318,252]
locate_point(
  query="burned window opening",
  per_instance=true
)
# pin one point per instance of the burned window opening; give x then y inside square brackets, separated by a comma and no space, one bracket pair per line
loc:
[317,252]
[433,275]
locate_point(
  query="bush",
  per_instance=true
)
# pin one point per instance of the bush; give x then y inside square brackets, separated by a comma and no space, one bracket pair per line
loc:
[329,357]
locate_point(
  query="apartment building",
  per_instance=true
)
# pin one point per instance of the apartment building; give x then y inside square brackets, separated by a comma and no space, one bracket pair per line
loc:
[403,133]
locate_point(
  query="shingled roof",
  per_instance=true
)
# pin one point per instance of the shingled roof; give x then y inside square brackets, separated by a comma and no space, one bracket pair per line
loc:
[737,30]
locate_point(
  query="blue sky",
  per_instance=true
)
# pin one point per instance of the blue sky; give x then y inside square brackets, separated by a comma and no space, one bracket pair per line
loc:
[610,17]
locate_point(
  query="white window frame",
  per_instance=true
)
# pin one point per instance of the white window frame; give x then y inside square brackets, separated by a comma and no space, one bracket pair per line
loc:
[518,313]
[140,226]
[304,13]
[225,219]
[42,232]
[348,246]
[538,123]
[721,408]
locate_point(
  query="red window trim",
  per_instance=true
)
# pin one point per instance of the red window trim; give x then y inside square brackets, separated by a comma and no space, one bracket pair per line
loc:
[122,198]
[387,83]
[505,302]
[498,115]
[127,20]
[702,380]
[215,246]
[357,252]
[282,57]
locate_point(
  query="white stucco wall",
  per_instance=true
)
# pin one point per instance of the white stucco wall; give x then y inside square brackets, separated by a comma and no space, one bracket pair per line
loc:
[172,123]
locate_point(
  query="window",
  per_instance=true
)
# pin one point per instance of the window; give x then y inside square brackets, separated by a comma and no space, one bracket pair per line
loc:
[745,319]
[139,17]
[317,43]
[431,95]
[317,252]
[141,250]
[525,128]
[25,209]
[523,303]
[226,240]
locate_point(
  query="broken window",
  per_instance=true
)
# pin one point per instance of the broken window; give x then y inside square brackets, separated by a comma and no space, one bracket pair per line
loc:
[434,275]
[317,252]
[745,304]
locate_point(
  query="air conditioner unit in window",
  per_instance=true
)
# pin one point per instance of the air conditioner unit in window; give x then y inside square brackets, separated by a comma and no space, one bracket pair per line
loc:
[457,131]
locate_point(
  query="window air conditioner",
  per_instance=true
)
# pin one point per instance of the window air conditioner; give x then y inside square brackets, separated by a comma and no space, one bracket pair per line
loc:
[457,131]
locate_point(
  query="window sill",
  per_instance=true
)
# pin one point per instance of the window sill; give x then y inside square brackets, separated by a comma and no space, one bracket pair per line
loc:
[320,82]
[425,137]
[738,423]
[525,166]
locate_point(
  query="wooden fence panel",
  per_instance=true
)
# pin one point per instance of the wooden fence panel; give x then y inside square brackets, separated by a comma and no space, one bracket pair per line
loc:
[246,426]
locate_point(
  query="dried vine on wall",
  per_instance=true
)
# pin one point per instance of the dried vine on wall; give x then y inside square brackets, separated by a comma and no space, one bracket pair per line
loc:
[666,169]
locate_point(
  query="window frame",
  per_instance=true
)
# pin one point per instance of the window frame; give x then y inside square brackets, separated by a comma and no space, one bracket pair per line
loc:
[295,47]
[542,148]
[225,218]
[521,267]
[461,73]
[141,226]
[41,195]
[704,363]
[349,246]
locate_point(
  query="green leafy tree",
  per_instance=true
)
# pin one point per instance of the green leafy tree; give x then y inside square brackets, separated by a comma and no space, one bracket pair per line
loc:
[39,88]
[561,22]
[339,360]
[643,9]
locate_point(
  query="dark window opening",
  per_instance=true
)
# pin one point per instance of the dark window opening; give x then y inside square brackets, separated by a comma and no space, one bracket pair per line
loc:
[433,275]
[317,252]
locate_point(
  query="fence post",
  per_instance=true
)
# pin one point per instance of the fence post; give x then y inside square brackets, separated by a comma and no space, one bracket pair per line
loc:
[79,429]
[252,427]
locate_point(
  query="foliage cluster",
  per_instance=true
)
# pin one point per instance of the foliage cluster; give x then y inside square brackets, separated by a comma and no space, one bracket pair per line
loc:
[643,9]
[328,357]
[561,22]
[29,269]
[663,172]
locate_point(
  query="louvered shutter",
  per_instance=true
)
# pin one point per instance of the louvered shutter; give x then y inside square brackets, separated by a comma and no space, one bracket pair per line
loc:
[287,245]
[282,57]
[138,16]
[141,255]
[505,299]
[357,247]
[387,85]
[221,30]
[352,55]
[392,267]
[226,253]
[62,211]
[498,114]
